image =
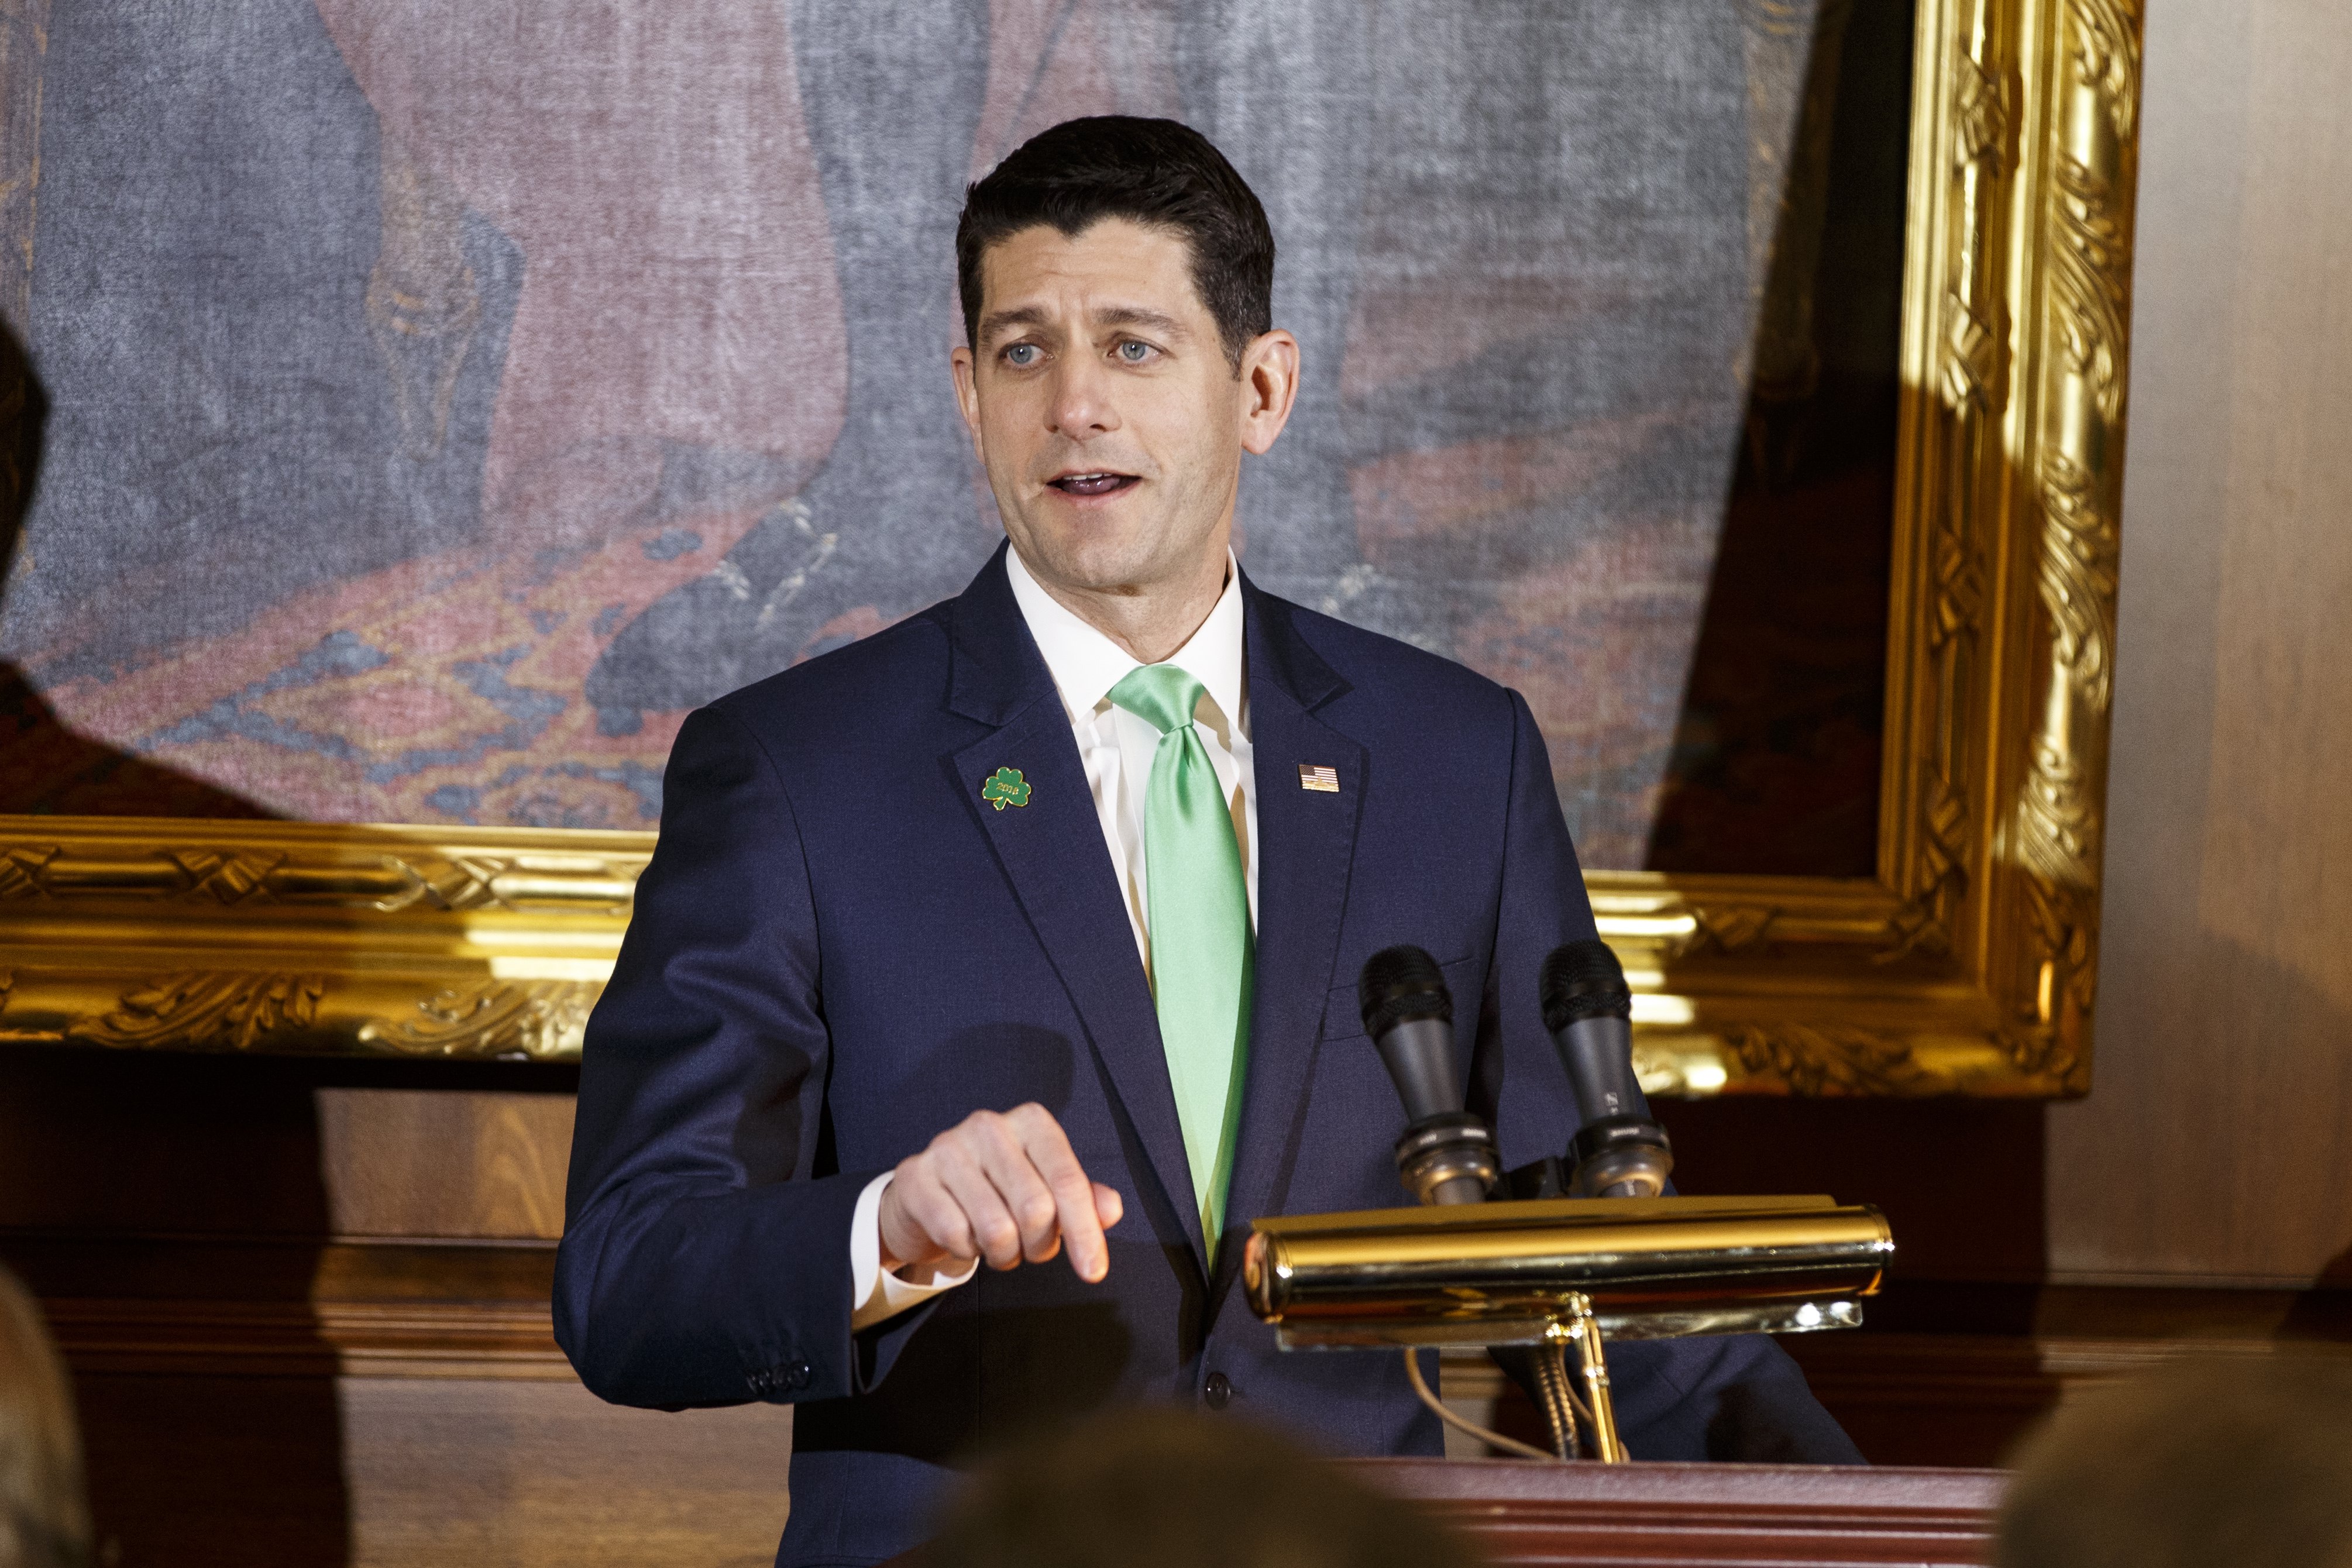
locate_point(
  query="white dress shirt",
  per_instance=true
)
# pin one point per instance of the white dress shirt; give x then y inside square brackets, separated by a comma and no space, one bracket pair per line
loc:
[1117,748]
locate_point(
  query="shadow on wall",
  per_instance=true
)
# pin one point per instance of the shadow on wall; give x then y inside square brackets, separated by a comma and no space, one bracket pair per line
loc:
[1775,765]
[45,768]
[167,1191]
[120,1175]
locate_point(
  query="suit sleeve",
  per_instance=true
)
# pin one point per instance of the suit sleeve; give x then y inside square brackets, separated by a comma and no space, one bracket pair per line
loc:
[1716,1398]
[706,1253]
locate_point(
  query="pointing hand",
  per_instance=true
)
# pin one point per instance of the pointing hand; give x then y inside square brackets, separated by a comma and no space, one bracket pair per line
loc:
[1004,1186]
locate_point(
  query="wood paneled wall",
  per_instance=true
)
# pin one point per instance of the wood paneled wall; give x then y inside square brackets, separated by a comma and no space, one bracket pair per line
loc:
[307,1309]
[2217,1141]
[421,1163]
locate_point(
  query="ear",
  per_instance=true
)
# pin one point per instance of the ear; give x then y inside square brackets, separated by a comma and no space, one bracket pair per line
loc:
[967,392]
[1269,382]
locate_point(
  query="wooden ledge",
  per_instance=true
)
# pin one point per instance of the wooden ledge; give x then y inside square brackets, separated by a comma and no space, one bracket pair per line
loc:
[1523,1512]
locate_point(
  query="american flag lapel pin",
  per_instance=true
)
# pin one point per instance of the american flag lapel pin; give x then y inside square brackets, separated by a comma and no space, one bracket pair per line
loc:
[1324,781]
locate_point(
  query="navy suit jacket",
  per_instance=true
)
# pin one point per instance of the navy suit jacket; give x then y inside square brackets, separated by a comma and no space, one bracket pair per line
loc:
[840,949]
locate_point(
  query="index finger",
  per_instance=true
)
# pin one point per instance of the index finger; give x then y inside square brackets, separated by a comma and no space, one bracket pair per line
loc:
[1048,1148]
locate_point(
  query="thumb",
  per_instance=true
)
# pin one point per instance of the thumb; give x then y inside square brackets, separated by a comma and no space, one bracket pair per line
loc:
[902,1238]
[1109,1206]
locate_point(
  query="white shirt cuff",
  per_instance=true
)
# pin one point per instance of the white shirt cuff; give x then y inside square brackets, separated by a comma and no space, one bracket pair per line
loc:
[876,1295]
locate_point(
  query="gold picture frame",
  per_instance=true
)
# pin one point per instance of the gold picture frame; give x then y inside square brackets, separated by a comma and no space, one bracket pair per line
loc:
[1967,964]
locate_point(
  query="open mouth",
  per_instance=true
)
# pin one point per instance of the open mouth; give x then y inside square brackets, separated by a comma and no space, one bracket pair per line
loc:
[1093,484]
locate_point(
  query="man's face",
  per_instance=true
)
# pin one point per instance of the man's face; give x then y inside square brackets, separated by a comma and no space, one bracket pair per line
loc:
[1102,405]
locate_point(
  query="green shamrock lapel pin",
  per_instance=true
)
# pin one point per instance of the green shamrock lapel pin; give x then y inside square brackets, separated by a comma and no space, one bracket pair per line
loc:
[1006,787]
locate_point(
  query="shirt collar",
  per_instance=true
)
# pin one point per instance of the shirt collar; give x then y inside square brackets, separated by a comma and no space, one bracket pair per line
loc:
[1085,664]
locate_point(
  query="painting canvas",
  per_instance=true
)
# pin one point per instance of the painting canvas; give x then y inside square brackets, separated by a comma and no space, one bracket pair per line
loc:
[425,404]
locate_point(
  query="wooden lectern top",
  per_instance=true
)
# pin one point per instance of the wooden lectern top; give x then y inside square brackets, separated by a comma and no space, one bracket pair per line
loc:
[1528,1515]
[1786,1516]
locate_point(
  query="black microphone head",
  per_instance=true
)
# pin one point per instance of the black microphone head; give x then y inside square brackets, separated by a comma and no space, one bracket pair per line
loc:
[1410,1017]
[1400,983]
[1583,980]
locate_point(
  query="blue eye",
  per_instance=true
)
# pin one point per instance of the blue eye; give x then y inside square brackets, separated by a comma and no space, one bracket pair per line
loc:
[1134,352]
[1022,356]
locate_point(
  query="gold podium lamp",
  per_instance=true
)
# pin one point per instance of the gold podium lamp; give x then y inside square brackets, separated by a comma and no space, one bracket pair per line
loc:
[1561,1274]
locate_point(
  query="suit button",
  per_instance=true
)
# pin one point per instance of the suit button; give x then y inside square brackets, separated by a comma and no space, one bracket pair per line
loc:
[1219,1391]
[797,1374]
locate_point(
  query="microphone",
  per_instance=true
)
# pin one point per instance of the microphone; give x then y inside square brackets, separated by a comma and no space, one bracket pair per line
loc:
[1447,1154]
[1618,1152]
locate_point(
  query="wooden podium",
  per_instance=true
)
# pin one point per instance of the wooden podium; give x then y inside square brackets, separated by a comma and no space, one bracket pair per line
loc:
[1786,1516]
[1528,1515]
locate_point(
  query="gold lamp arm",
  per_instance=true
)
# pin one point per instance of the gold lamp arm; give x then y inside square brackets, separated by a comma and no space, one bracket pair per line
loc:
[1583,1330]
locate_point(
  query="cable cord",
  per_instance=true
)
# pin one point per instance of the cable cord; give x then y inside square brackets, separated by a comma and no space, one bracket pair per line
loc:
[1557,1399]
[1568,1388]
[1493,1439]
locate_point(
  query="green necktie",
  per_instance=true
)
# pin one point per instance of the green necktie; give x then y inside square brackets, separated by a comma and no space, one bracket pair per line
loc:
[1200,930]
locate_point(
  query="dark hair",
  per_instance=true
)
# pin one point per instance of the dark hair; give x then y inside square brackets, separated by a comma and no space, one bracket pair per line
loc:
[2241,1459]
[44,1515]
[1147,1488]
[1151,172]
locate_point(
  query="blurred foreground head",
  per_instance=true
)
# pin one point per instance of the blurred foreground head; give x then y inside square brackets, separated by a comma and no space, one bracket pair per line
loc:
[2203,1463]
[44,1522]
[1146,1488]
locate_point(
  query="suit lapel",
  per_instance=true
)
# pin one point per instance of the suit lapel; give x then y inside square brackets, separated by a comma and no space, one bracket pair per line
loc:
[1053,852]
[1305,846]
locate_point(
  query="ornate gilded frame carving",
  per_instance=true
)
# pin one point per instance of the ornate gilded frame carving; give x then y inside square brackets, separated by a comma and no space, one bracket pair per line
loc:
[1967,964]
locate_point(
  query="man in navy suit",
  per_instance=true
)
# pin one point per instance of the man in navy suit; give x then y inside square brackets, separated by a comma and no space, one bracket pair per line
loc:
[1031,926]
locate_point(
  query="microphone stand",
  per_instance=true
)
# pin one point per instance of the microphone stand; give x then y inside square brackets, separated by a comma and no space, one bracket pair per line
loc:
[1542,1270]
[1446,1158]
